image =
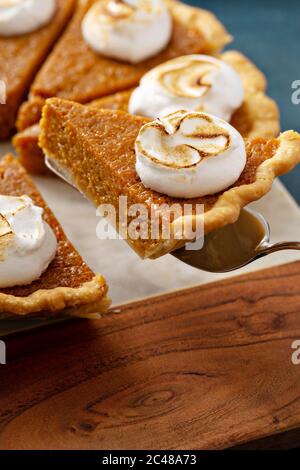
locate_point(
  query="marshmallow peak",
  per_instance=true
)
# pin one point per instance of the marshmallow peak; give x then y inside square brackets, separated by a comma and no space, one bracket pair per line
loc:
[194,82]
[128,30]
[19,17]
[27,243]
[189,154]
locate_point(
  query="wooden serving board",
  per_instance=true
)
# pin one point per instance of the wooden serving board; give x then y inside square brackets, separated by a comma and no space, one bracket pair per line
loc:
[207,368]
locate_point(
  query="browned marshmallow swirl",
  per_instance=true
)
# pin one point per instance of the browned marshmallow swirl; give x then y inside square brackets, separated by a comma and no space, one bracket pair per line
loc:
[189,154]
[194,82]
[190,79]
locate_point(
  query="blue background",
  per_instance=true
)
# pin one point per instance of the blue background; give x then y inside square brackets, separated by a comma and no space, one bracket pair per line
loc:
[268,32]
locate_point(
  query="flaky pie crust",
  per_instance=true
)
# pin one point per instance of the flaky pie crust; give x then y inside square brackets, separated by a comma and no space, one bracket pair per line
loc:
[206,22]
[262,111]
[88,299]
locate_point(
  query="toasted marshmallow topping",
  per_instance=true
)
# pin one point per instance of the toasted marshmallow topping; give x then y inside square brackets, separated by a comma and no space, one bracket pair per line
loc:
[27,243]
[129,30]
[189,154]
[19,17]
[194,82]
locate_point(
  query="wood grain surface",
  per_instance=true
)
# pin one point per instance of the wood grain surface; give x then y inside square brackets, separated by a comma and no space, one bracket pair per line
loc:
[207,368]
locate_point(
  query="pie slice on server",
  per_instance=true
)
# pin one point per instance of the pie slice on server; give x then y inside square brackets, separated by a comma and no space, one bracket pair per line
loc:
[41,273]
[95,150]
[258,115]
